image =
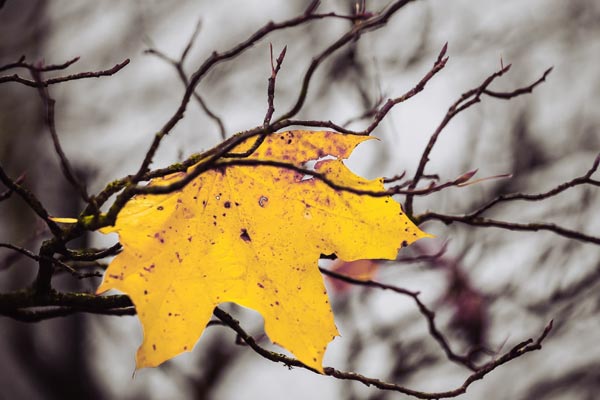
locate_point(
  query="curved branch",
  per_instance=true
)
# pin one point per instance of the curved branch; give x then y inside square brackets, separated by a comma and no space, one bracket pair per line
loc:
[516,352]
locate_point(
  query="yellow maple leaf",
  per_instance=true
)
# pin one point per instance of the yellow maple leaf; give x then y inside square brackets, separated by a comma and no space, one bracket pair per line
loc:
[251,235]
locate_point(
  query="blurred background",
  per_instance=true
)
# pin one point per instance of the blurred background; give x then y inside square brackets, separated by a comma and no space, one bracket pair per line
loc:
[490,287]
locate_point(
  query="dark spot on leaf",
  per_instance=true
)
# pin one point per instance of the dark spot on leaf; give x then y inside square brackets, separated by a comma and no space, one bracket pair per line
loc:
[260,285]
[145,292]
[244,235]
[263,200]
[154,347]
[149,268]
[160,208]
[227,204]
[170,314]
[224,214]
[178,257]
[190,239]
[237,204]
[184,347]
[179,201]
[404,243]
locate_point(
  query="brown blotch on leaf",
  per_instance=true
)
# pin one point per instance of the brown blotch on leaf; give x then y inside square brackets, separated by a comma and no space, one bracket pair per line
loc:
[159,237]
[149,268]
[244,236]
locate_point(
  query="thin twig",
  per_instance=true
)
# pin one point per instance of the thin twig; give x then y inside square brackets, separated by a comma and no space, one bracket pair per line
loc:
[53,81]
[8,192]
[465,101]
[271,86]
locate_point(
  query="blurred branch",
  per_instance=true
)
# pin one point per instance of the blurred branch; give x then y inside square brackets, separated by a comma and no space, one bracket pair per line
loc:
[31,200]
[511,226]
[65,165]
[178,65]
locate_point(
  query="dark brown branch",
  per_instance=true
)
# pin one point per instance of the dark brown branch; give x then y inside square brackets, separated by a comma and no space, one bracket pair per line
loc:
[423,309]
[8,192]
[271,86]
[31,201]
[373,22]
[52,81]
[18,249]
[520,91]
[37,308]
[517,351]
[217,58]
[49,114]
[43,68]
[465,101]
[162,189]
